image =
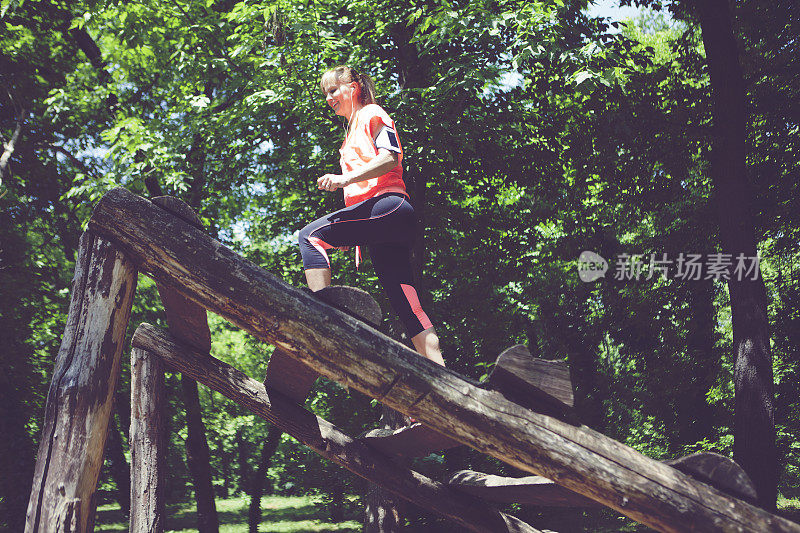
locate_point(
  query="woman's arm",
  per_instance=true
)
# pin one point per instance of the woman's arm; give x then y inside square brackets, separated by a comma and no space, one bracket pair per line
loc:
[378,166]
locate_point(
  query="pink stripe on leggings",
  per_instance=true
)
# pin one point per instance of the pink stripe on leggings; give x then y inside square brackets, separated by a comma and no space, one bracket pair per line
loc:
[321,246]
[413,301]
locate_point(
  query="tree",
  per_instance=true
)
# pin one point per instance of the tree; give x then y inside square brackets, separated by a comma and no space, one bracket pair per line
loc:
[754,423]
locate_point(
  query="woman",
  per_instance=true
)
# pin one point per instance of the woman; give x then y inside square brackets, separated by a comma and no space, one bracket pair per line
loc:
[377,213]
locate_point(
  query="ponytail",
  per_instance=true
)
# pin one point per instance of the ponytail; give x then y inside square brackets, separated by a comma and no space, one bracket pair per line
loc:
[345,74]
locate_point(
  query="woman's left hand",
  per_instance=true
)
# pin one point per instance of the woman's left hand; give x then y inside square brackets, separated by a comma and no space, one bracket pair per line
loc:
[331,182]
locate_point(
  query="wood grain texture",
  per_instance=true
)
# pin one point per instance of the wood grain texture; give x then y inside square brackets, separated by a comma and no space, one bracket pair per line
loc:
[80,397]
[538,384]
[323,437]
[357,302]
[718,471]
[186,319]
[529,490]
[294,379]
[356,355]
[415,440]
[147,446]
[714,469]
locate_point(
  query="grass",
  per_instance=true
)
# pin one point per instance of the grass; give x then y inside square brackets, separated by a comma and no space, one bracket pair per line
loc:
[789,508]
[284,514]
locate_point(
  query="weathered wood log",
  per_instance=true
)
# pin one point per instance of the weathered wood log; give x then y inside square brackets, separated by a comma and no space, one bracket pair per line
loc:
[529,490]
[415,440]
[538,384]
[718,471]
[383,511]
[323,437]
[358,356]
[294,379]
[80,398]
[147,444]
[711,468]
[541,385]
[186,319]
[189,322]
[352,300]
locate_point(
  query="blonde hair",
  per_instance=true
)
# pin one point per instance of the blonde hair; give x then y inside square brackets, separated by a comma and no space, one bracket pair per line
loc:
[345,74]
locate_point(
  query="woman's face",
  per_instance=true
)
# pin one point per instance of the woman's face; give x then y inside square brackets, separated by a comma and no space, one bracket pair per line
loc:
[341,97]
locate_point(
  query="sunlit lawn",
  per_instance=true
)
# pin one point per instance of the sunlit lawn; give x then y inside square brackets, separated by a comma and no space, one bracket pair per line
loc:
[289,514]
[301,514]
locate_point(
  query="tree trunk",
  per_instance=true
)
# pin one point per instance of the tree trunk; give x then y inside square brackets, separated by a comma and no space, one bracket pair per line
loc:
[225,465]
[9,146]
[694,415]
[80,398]
[257,484]
[198,458]
[244,470]
[382,510]
[754,425]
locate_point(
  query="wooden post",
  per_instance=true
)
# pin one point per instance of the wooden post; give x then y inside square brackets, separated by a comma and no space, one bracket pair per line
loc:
[356,355]
[324,438]
[147,444]
[81,393]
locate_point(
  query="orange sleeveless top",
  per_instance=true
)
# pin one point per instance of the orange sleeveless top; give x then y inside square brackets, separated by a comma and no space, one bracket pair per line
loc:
[359,149]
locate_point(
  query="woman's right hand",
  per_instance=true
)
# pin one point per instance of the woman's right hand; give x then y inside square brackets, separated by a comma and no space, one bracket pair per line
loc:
[331,182]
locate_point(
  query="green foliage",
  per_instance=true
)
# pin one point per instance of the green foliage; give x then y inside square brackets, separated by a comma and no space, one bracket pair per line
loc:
[531,133]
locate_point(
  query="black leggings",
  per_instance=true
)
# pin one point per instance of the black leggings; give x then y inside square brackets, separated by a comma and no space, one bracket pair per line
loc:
[385,225]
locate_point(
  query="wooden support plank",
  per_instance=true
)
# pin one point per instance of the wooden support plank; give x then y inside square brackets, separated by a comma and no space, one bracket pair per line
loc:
[541,385]
[323,437]
[80,397]
[356,302]
[714,469]
[718,471]
[529,490]
[294,379]
[358,356]
[289,376]
[147,446]
[186,319]
[538,384]
[415,440]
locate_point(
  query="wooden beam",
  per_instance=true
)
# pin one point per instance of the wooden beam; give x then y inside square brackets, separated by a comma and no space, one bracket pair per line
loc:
[415,440]
[714,469]
[538,384]
[80,398]
[294,379]
[718,471]
[358,303]
[323,437]
[529,490]
[186,319]
[356,355]
[147,446]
